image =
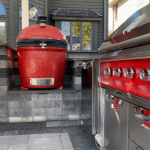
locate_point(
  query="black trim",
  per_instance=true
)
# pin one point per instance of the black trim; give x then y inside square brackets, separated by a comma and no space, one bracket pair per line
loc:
[37,42]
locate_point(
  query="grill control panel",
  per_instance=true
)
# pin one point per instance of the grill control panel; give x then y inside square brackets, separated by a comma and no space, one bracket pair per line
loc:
[131,76]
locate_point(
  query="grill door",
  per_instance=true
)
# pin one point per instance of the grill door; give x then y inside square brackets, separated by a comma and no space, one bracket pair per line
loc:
[116,124]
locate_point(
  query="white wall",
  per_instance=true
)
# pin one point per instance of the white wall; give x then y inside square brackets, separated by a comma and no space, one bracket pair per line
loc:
[126,8]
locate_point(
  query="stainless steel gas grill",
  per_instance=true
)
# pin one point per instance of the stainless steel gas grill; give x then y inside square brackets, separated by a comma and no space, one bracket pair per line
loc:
[124,86]
[121,86]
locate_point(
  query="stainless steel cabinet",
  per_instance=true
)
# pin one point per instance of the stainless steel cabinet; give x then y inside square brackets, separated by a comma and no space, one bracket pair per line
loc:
[137,133]
[133,146]
[116,124]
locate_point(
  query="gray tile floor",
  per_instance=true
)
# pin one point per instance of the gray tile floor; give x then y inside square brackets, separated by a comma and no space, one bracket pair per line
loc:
[58,138]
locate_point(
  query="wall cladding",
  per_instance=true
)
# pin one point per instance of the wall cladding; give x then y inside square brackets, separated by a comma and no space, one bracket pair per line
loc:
[126,9]
[61,106]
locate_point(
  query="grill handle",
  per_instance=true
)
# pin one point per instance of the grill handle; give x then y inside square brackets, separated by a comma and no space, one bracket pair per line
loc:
[144,116]
[138,113]
[111,99]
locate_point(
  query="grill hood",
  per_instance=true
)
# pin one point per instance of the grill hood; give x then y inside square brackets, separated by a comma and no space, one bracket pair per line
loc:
[133,32]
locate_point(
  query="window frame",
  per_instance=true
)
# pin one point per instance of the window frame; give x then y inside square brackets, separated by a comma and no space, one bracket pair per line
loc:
[81,35]
[4,9]
[5,30]
[28,12]
[116,12]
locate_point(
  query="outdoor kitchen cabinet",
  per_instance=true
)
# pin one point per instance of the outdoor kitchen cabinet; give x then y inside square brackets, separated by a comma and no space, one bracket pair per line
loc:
[137,132]
[116,125]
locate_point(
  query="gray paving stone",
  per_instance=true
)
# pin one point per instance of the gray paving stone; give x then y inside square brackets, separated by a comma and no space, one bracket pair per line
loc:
[4,147]
[57,103]
[71,110]
[43,135]
[54,111]
[6,132]
[27,104]
[49,96]
[72,103]
[19,140]
[3,105]
[87,95]
[41,147]
[17,147]
[27,113]
[51,142]
[18,97]
[71,96]
[65,138]
[14,140]
[14,105]
[3,114]
[14,112]
[62,129]
[56,138]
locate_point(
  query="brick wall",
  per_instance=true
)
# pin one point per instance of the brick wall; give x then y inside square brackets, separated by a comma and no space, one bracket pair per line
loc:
[126,8]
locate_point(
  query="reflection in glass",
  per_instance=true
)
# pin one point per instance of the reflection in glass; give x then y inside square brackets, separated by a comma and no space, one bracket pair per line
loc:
[76,35]
[86,36]
[2,10]
[65,28]
[33,12]
[2,32]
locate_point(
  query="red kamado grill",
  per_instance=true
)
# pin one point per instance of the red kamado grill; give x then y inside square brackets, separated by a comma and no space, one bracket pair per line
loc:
[42,53]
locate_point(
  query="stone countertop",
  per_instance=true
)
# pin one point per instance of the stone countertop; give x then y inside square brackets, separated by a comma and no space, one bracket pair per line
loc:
[7,45]
[16,90]
[83,55]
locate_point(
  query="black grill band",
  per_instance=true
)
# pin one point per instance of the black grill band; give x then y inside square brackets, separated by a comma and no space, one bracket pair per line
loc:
[37,42]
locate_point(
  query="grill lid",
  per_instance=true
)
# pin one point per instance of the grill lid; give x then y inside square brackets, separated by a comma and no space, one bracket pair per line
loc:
[134,29]
[41,35]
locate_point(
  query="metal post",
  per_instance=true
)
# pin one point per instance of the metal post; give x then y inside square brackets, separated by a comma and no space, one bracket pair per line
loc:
[94,96]
[105,19]
[46,8]
[25,13]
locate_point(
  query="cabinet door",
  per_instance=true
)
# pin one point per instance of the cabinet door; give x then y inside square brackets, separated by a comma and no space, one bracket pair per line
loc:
[116,125]
[138,133]
[133,146]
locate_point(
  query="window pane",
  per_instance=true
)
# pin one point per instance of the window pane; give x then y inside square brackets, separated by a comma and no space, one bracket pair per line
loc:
[2,11]
[2,32]
[65,28]
[76,35]
[86,36]
[33,12]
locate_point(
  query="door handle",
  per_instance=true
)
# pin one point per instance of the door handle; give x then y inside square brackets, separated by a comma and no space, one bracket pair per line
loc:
[143,115]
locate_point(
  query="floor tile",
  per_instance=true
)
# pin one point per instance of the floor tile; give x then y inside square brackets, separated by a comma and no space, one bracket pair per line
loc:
[4,147]
[43,135]
[66,142]
[17,147]
[51,141]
